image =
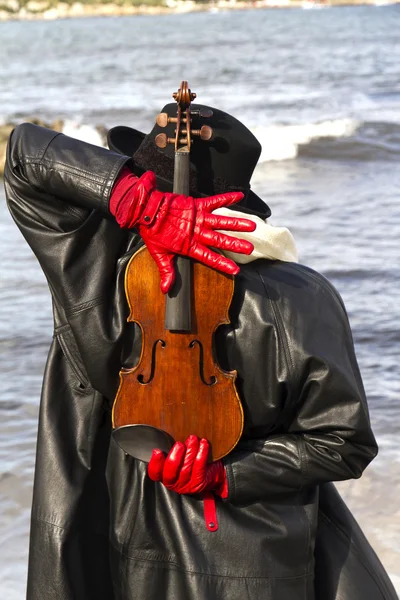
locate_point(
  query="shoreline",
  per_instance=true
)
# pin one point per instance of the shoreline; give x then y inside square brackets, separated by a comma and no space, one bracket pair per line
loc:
[39,10]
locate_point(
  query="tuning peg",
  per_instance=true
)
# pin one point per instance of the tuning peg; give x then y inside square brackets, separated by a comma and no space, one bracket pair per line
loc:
[204,113]
[163,119]
[205,133]
[161,140]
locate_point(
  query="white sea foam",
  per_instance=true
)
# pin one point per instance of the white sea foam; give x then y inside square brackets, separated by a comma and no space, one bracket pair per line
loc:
[281,142]
[80,131]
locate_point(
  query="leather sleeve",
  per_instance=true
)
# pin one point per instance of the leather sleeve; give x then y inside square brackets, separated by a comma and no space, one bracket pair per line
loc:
[40,160]
[57,191]
[327,436]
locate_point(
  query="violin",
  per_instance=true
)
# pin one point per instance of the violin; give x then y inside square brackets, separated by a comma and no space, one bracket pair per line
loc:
[177,388]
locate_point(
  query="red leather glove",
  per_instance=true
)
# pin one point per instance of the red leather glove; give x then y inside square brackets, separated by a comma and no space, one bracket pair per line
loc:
[175,224]
[185,470]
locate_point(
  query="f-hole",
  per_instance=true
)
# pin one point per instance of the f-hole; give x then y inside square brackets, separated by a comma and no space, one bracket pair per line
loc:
[140,377]
[213,379]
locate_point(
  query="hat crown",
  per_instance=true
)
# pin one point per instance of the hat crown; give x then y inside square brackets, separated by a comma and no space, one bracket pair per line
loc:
[230,157]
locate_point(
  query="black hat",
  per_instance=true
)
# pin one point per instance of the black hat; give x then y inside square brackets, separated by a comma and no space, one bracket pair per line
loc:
[224,163]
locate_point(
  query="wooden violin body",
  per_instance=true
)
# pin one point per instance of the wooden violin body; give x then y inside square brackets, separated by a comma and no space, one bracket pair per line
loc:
[177,387]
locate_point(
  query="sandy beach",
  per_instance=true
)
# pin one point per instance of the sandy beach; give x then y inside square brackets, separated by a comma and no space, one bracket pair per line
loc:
[378,512]
[38,9]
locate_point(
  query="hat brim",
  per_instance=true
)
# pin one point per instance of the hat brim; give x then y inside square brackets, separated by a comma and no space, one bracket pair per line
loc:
[126,140]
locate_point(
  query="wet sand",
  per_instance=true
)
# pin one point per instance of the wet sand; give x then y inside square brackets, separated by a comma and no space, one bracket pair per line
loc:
[378,511]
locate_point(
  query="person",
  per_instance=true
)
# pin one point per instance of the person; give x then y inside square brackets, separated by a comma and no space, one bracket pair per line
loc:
[106,526]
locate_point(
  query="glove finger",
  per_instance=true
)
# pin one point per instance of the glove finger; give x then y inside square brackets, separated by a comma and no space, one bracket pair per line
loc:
[164,262]
[225,242]
[156,465]
[192,447]
[213,259]
[198,480]
[173,464]
[228,223]
[167,281]
[148,181]
[213,202]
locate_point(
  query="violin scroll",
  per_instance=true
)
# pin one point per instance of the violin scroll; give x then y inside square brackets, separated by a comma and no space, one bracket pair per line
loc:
[183,120]
[184,96]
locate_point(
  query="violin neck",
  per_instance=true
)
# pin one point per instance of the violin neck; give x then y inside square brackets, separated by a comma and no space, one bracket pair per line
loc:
[178,301]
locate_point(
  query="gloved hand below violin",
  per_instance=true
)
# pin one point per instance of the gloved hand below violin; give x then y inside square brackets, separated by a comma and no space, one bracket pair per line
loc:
[186,469]
[176,224]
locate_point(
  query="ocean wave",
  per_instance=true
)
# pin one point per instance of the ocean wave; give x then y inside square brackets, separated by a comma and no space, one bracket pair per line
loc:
[340,139]
[282,142]
[337,139]
[84,132]
[279,142]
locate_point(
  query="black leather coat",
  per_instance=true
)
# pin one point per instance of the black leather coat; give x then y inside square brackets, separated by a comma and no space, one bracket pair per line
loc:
[101,529]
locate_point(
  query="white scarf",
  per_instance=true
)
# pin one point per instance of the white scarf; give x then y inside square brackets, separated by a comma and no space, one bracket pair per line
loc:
[275,243]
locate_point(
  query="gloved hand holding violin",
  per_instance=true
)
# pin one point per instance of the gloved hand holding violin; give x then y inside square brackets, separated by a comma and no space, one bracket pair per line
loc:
[186,469]
[176,224]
